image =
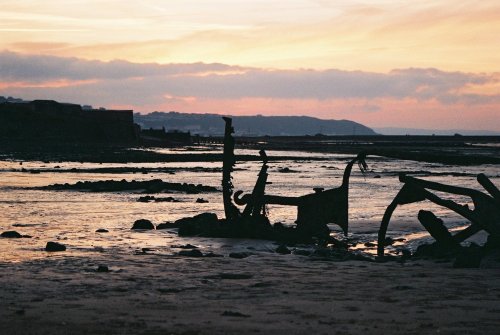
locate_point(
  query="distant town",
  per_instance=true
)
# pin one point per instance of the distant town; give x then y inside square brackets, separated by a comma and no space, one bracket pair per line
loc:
[50,120]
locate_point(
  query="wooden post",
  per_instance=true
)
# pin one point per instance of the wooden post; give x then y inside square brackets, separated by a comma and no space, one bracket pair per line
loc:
[231,211]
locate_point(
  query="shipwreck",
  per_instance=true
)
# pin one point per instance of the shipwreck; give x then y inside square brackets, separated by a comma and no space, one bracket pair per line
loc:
[314,210]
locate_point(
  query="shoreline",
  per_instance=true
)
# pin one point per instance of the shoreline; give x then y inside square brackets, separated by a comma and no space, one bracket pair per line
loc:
[455,150]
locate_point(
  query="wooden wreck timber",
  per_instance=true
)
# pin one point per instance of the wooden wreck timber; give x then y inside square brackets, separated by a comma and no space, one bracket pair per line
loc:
[484,216]
[314,210]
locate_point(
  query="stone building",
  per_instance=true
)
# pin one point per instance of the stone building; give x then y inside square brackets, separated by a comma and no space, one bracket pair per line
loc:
[47,120]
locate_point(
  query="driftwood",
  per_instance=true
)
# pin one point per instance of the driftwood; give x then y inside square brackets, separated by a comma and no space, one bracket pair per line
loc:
[484,216]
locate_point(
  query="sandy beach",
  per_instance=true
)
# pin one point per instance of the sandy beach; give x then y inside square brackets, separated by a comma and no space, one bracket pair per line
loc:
[265,293]
[128,282]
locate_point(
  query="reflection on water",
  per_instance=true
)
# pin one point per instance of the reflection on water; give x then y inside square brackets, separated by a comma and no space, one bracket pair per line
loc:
[73,217]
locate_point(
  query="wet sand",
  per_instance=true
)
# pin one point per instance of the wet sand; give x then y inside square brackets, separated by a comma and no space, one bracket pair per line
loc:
[159,292]
[265,293]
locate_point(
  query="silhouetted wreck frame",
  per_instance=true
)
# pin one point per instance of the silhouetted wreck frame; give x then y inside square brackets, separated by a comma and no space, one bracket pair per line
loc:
[484,216]
[314,210]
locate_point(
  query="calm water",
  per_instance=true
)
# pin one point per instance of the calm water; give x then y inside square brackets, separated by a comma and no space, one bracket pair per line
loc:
[73,217]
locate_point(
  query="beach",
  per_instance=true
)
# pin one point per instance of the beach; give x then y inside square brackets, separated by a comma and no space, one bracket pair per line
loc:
[264,293]
[114,280]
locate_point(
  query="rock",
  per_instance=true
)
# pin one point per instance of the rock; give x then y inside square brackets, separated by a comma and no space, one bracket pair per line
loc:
[405,253]
[370,244]
[102,268]
[240,255]
[186,246]
[191,253]
[492,243]
[282,249]
[285,170]
[11,234]
[200,225]
[201,201]
[433,250]
[468,258]
[143,224]
[377,176]
[54,246]
[149,198]
[388,241]
[102,230]
[167,225]
[146,198]
[302,252]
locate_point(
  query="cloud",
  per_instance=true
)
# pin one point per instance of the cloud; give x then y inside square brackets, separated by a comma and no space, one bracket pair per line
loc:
[123,82]
[35,68]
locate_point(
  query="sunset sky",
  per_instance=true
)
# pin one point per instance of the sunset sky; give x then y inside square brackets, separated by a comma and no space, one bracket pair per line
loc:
[422,64]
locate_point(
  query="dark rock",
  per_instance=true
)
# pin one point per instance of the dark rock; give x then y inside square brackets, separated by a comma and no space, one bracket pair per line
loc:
[143,224]
[149,198]
[468,258]
[202,224]
[150,186]
[167,199]
[282,249]
[191,253]
[240,255]
[302,252]
[493,242]
[434,250]
[167,225]
[185,246]
[54,246]
[285,170]
[11,234]
[201,201]
[102,230]
[388,241]
[338,255]
[370,244]
[146,198]
[405,253]
[102,268]
[377,176]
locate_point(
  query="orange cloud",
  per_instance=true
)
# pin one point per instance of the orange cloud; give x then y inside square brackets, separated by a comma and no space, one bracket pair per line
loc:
[319,35]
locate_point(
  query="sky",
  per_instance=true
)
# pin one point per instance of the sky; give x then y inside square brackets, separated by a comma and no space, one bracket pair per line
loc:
[423,64]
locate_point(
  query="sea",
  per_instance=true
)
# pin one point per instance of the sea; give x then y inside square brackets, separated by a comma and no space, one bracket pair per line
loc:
[72,217]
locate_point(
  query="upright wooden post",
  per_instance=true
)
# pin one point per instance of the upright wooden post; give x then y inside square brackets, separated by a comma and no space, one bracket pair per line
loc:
[230,210]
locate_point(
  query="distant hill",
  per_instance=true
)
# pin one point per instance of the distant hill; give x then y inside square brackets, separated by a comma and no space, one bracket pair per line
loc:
[415,131]
[258,125]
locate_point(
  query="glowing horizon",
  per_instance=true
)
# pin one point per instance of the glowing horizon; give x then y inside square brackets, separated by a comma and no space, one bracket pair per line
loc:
[431,64]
